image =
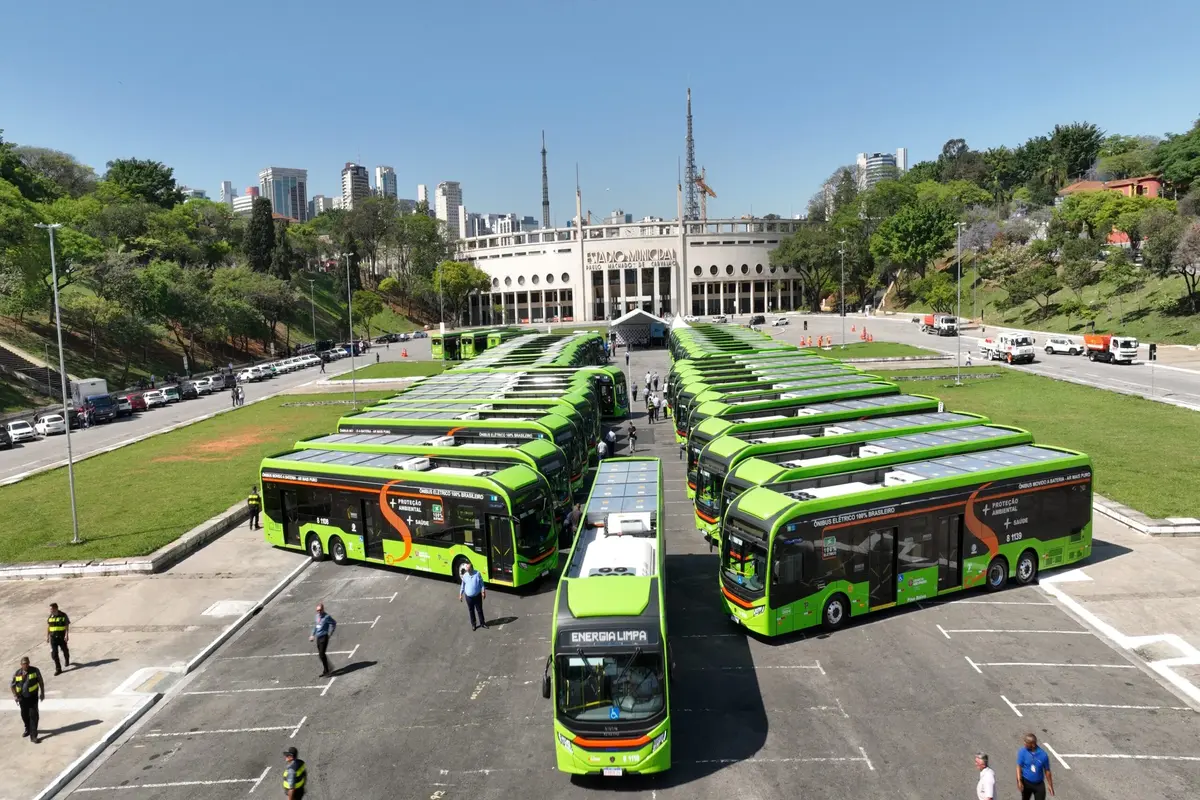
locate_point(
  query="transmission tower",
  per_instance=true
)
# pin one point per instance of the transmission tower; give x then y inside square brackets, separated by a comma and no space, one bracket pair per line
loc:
[691,207]
[545,188]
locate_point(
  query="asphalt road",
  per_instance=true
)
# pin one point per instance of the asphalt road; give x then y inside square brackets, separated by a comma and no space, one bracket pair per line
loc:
[1157,381]
[52,450]
[422,707]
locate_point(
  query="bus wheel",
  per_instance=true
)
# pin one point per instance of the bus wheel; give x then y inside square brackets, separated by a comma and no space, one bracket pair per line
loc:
[837,609]
[315,550]
[997,574]
[1027,568]
[338,551]
[460,566]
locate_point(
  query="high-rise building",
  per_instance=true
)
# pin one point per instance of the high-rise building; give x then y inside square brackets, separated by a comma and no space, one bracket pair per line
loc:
[228,193]
[385,182]
[242,206]
[876,167]
[422,193]
[449,206]
[902,160]
[319,205]
[356,185]
[193,194]
[287,189]
[338,202]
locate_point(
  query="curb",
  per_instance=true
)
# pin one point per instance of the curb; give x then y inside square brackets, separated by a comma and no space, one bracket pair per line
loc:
[160,560]
[80,764]
[1173,526]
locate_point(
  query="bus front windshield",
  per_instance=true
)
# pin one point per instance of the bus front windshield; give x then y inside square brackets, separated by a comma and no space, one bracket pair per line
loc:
[535,524]
[744,562]
[708,486]
[590,687]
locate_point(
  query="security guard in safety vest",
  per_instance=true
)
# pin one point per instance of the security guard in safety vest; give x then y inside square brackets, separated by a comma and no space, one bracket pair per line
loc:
[27,688]
[293,774]
[58,631]
[254,503]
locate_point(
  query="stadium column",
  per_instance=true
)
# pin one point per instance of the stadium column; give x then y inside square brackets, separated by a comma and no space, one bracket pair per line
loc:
[737,297]
[607,298]
[721,289]
[639,287]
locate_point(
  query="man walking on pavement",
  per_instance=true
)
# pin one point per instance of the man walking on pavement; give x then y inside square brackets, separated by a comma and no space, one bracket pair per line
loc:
[233,394]
[1033,771]
[27,688]
[293,774]
[58,627]
[986,788]
[323,628]
[254,503]
[632,438]
[472,589]
[627,358]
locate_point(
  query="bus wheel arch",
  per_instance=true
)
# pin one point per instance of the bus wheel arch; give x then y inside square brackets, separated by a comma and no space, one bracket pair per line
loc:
[836,612]
[1027,567]
[459,566]
[337,551]
[316,551]
[997,574]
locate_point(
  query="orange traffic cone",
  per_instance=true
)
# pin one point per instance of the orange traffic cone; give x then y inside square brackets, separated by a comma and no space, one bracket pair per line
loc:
[852,329]
[870,337]
[863,336]
[404,353]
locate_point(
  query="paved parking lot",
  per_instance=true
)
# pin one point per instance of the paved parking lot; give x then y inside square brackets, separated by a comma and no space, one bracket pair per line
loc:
[423,707]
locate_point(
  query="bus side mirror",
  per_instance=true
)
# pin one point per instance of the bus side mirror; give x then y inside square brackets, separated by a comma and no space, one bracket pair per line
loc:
[546,679]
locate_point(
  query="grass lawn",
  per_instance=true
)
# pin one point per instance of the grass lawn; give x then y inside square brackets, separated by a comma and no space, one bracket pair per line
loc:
[1131,440]
[138,498]
[16,396]
[395,369]
[876,350]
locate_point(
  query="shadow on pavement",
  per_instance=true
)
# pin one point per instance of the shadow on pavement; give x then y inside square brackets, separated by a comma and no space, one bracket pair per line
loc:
[74,726]
[86,664]
[355,667]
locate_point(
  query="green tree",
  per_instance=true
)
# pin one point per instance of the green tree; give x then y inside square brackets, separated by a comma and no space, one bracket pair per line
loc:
[916,235]
[150,181]
[1077,275]
[1037,283]
[179,300]
[13,169]
[1178,159]
[886,198]
[68,176]
[372,223]
[90,315]
[1074,149]
[922,171]
[1126,156]
[1185,262]
[283,258]
[454,281]
[812,252]
[1121,274]
[260,235]
[937,291]
[367,306]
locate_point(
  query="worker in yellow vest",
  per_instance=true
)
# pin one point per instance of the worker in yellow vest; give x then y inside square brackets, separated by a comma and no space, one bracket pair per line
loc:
[58,631]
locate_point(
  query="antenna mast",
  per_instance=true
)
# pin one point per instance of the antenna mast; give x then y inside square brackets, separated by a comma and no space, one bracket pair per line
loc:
[691,208]
[545,188]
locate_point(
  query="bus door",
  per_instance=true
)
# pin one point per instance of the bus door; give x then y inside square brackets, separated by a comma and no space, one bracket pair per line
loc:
[608,403]
[289,510]
[881,558]
[500,548]
[949,551]
[372,528]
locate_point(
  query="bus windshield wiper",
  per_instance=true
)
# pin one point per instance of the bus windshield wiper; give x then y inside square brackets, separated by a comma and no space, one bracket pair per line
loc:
[637,651]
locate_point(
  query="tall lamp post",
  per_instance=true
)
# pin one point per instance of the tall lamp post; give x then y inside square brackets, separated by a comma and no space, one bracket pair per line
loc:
[353,343]
[958,226]
[312,303]
[62,374]
[842,304]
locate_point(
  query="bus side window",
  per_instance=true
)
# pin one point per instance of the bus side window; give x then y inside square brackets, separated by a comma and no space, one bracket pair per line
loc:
[916,545]
[271,503]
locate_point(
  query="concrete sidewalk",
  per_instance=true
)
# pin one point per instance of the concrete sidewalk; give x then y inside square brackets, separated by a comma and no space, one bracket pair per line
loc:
[130,637]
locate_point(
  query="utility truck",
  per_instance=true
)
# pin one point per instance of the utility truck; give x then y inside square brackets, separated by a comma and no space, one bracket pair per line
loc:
[941,324]
[1110,348]
[1015,348]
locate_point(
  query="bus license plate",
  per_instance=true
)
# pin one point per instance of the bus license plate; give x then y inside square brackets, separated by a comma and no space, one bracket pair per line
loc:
[613,772]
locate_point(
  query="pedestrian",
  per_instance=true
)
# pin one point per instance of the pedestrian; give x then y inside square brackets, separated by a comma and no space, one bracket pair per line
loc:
[805,324]
[601,450]
[986,788]
[661,411]
[241,395]
[377,358]
[254,503]
[293,774]
[58,631]
[632,437]
[647,381]
[1033,771]
[610,438]
[627,358]
[323,628]
[322,365]
[635,393]
[656,380]
[682,448]
[233,393]
[472,589]
[968,358]
[28,688]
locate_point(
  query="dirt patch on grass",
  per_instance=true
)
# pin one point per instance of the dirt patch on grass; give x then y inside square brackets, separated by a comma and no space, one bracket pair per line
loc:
[226,447]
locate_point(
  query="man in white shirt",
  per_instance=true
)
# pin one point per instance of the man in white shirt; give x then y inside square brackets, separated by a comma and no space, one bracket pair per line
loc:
[986,788]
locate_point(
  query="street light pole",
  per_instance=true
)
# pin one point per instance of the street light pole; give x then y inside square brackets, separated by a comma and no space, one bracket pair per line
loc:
[842,251]
[353,343]
[62,374]
[958,226]
[313,305]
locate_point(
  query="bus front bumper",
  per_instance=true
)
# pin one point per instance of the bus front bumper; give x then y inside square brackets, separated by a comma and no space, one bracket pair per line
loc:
[651,753]
[753,618]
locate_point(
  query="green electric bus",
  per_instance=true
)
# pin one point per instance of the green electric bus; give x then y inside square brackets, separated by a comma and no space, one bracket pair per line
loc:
[541,455]
[498,336]
[719,473]
[417,514]
[609,663]
[472,343]
[850,543]
[782,402]
[865,455]
[451,423]
[802,422]
[608,382]
[445,346]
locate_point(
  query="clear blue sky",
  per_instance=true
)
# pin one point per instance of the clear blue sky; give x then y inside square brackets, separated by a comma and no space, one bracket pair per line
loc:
[783,92]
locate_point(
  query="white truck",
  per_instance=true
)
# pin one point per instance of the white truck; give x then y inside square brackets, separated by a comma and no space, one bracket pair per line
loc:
[1015,348]
[941,324]
[81,390]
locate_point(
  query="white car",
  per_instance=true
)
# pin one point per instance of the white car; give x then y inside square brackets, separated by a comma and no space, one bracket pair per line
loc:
[1063,344]
[50,424]
[249,375]
[203,385]
[780,322]
[22,431]
[155,397]
[720,318]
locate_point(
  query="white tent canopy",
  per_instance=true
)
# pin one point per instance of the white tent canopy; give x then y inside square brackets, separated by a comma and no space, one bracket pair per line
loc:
[639,328]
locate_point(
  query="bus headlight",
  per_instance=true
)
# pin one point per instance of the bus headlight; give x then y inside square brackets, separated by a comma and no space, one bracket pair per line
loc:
[659,741]
[759,610]
[566,743]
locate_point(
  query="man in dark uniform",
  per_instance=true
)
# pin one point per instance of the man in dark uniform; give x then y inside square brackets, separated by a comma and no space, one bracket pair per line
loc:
[58,631]
[293,774]
[27,688]
[254,503]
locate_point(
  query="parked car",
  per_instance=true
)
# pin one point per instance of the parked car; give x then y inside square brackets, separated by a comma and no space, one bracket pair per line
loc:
[758,319]
[188,391]
[21,431]
[249,375]
[780,322]
[124,407]
[1063,344]
[5,440]
[154,398]
[420,335]
[136,401]
[203,385]
[49,424]
[719,318]
[171,393]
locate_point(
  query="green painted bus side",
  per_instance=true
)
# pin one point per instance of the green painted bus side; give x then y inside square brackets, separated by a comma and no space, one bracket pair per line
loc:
[429,521]
[800,421]
[829,456]
[686,393]
[608,668]
[445,346]
[785,401]
[607,381]
[862,541]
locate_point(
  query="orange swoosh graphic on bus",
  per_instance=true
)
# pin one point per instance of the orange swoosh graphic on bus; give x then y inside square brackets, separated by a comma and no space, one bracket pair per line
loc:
[977,527]
[394,518]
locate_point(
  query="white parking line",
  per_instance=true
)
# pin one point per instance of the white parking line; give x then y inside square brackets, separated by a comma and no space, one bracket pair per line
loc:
[264,729]
[1015,710]
[1001,603]
[1103,706]
[348,653]
[365,622]
[947,631]
[817,666]
[133,787]
[384,597]
[863,759]
[1130,757]
[1061,664]
[1054,753]
[260,780]
[324,688]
